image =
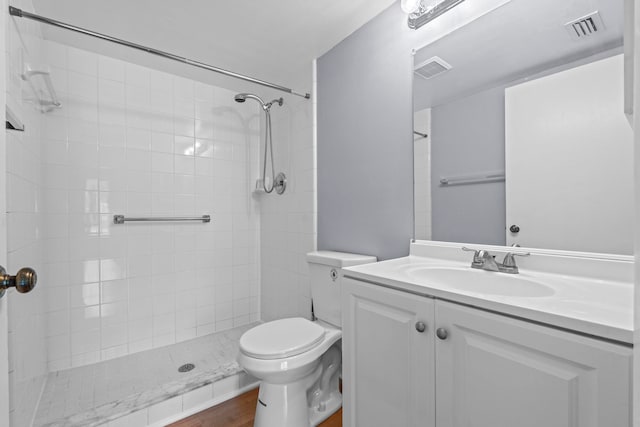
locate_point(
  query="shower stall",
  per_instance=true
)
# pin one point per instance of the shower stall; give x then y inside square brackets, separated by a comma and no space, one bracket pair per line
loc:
[137,322]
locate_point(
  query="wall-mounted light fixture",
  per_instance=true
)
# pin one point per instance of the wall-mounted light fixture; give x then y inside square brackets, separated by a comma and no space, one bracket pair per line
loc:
[423,11]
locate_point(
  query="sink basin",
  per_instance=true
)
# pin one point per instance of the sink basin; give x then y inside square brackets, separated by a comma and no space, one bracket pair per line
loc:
[480,281]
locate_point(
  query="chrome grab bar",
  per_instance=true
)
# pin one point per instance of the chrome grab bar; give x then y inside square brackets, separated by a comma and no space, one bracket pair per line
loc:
[479,178]
[121,219]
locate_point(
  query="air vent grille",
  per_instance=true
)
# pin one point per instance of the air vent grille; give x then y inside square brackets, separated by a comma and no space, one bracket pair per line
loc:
[432,67]
[586,26]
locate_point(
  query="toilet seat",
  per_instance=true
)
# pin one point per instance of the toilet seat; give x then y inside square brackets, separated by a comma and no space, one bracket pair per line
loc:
[281,338]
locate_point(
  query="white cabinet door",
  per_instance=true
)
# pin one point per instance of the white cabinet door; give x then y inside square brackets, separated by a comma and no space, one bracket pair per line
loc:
[388,366]
[500,372]
[4,318]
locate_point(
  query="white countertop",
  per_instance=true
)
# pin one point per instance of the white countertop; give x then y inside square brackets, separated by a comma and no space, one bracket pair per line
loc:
[601,306]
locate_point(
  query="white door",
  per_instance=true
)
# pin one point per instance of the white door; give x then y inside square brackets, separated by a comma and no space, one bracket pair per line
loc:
[495,371]
[569,161]
[4,353]
[388,376]
[4,318]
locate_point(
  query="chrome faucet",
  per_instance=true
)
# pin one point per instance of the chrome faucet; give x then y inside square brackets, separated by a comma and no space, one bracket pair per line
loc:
[509,263]
[483,260]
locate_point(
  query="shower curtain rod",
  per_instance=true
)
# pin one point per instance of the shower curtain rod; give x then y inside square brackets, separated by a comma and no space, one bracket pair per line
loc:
[14,11]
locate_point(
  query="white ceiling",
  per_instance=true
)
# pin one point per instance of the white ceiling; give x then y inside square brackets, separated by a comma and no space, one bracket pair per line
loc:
[268,39]
[515,41]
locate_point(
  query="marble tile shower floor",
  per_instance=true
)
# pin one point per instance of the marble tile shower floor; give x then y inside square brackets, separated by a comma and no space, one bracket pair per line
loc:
[96,394]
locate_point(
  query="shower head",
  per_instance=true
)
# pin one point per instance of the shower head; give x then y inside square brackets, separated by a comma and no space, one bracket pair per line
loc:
[242,97]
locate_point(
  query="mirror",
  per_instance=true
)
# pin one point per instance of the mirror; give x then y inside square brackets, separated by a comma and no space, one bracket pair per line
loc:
[520,134]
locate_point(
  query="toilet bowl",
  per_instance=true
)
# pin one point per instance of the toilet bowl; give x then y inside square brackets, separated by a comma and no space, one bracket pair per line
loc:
[297,360]
[299,364]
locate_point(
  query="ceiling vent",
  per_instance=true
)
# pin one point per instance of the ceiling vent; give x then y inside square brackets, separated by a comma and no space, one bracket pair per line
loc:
[431,67]
[586,26]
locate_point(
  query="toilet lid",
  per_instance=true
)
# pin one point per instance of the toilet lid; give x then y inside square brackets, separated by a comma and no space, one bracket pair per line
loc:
[281,338]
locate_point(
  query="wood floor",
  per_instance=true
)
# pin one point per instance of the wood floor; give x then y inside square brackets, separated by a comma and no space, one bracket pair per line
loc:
[238,412]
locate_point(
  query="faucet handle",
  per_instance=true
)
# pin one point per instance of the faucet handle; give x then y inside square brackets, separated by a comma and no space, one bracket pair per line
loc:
[480,257]
[509,260]
[477,253]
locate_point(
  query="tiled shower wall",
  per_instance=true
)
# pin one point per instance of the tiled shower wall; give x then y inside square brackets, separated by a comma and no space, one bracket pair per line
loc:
[422,175]
[288,224]
[134,141]
[27,323]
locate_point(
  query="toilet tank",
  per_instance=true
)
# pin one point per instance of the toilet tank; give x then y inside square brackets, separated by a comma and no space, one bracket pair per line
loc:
[325,275]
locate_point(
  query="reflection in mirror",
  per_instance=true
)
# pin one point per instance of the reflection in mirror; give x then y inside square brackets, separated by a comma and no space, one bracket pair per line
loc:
[527,141]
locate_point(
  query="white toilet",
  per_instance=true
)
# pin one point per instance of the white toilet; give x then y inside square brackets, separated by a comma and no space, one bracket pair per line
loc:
[297,360]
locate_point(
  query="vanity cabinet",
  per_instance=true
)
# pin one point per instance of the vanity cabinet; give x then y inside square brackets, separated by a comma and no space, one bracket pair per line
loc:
[388,357]
[472,368]
[496,371]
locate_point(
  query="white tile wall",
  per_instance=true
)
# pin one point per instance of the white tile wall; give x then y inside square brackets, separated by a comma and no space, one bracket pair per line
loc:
[27,327]
[139,142]
[422,175]
[288,226]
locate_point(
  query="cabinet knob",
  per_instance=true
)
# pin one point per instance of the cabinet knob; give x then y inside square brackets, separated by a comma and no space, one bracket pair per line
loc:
[442,333]
[421,327]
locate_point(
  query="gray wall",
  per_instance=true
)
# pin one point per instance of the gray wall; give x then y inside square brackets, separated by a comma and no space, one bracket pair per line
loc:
[365,143]
[468,137]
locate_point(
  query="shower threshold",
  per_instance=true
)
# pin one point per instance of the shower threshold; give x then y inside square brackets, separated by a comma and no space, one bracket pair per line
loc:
[146,388]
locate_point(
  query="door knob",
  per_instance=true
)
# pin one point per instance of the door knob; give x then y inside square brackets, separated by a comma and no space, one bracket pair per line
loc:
[514,229]
[24,281]
[442,333]
[421,327]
